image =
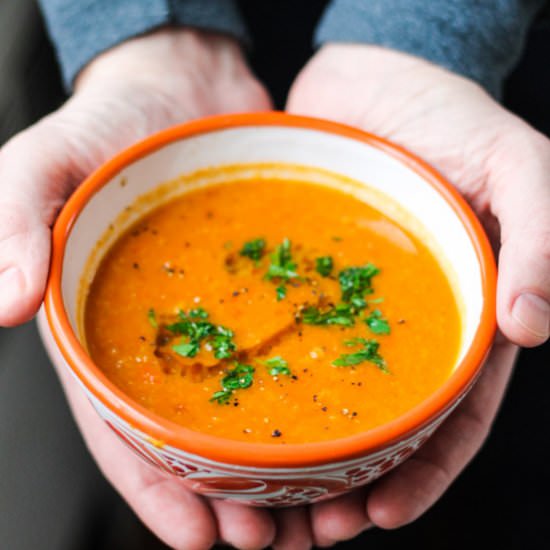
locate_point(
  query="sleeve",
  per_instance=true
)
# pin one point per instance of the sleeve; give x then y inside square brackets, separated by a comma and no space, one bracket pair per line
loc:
[81,30]
[481,40]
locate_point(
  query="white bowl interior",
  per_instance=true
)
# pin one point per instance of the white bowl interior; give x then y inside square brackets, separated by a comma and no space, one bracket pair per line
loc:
[429,213]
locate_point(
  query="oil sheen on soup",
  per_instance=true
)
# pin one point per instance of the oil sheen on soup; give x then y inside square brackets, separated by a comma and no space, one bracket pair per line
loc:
[272,311]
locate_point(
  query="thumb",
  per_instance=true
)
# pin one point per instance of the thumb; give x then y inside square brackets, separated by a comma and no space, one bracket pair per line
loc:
[520,197]
[33,186]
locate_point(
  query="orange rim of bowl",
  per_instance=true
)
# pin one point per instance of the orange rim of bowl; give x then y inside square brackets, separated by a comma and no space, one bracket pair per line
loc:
[268,455]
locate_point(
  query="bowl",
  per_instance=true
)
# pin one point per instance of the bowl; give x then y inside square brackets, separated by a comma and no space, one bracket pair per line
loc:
[254,473]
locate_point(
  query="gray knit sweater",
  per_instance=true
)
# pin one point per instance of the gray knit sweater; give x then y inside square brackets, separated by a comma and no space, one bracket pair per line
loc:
[480,39]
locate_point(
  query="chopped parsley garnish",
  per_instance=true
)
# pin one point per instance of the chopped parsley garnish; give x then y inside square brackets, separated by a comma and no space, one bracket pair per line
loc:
[239,377]
[277,365]
[253,249]
[199,313]
[340,314]
[369,352]
[324,265]
[355,282]
[282,268]
[223,344]
[194,326]
[187,349]
[152,318]
[377,323]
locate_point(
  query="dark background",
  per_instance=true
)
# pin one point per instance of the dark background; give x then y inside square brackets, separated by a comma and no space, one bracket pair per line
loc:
[51,494]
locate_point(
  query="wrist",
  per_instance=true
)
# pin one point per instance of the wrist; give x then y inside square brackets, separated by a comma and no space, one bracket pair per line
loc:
[380,64]
[166,58]
[382,74]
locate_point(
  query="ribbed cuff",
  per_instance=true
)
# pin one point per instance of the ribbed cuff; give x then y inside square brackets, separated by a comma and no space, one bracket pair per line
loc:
[481,40]
[81,30]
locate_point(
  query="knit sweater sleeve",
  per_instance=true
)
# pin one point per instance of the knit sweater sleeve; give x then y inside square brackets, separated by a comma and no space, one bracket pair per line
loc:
[82,30]
[481,40]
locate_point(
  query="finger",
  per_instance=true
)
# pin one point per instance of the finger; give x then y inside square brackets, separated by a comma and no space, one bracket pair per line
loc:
[406,493]
[242,526]
[180,518]
[520,186]
[31,190]
[340,519]
[293,529]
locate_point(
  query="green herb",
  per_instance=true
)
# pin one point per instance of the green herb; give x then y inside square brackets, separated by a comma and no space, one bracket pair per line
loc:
[198,313]
[187,349]
[222,343]
[253,249]
[197,329]
[369,352]
[281,292]
[324,265]
[281,266]
[336,238]
[340,314]
[277,365]
[152,318]
[355,282]
[377,323]
[238,378]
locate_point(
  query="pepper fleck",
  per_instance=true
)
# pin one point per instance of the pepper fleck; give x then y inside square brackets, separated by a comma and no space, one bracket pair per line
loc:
[276,433]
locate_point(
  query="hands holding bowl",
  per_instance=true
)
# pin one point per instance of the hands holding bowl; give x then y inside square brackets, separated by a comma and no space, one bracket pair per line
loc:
[497,162]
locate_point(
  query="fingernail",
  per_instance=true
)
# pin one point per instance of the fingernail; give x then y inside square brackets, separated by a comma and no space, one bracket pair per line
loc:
[11,283]
[533,313]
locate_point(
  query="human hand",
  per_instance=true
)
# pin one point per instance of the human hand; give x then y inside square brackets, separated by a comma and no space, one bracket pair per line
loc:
[134,89]
[501,167]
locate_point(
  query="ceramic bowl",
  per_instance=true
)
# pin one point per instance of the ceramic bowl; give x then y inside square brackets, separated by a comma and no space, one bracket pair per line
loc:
[266,474]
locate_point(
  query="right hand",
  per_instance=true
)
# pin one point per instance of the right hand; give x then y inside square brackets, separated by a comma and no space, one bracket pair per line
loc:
[137,88]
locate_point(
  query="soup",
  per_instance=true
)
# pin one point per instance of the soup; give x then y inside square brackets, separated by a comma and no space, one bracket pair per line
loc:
[272,311]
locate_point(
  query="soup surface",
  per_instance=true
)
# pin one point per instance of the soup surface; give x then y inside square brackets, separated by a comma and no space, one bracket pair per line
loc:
[272,311]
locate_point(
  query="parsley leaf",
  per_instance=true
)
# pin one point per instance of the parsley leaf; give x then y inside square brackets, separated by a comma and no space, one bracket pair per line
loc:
[282,266]
[340,314]
[238,378]
[197,329]
[187,349]
[324,265]
[277,365]
[152,318]
[223,343]
[198,313]
[355,282]
[377,323]
[222,396]
[253,249]
[369,352]
[281,292]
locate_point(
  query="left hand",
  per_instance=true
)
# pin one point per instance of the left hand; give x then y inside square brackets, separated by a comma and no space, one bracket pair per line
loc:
[502,167]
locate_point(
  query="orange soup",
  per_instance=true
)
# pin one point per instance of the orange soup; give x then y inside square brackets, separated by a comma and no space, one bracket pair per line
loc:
[272,311]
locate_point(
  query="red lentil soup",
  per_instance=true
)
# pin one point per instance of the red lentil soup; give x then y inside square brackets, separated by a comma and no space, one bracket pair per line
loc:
[276,311]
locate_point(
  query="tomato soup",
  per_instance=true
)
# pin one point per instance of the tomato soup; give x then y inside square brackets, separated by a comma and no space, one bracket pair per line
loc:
[272,311]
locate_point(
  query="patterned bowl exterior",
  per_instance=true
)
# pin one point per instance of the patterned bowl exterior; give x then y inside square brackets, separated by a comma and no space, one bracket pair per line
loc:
[267,487]
[270,487]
